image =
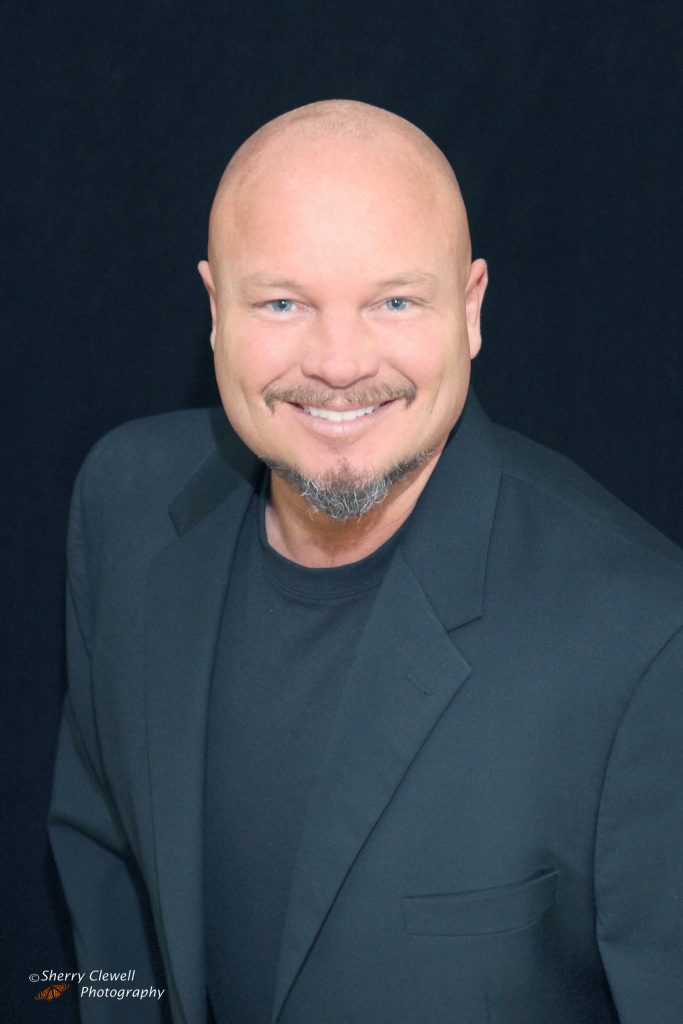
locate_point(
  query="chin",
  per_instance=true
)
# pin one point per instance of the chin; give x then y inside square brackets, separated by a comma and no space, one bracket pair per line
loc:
[344,491]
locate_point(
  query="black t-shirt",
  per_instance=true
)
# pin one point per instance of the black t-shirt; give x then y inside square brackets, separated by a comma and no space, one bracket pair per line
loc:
[285,645]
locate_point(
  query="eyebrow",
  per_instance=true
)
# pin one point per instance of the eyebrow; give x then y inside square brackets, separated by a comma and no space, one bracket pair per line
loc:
[397,280]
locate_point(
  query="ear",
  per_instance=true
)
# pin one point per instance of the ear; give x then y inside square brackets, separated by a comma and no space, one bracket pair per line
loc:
[474,296]
[205,274]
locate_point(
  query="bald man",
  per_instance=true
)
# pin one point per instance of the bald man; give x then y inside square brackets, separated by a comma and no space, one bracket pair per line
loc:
[374,708]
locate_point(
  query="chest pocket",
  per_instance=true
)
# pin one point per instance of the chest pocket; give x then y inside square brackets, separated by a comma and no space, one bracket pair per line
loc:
[484,912]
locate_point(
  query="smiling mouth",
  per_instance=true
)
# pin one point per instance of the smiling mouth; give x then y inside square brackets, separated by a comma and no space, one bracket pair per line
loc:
[335,416]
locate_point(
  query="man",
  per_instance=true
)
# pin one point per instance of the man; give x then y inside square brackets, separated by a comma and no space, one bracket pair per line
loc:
[388,731]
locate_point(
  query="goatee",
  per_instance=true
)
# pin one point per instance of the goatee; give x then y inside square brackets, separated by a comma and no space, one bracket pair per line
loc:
[343,495]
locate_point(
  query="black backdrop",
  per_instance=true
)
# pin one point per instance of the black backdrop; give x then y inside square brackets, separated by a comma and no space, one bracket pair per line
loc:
[563,124]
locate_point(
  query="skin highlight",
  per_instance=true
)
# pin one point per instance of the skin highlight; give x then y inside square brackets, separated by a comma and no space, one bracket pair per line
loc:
[340,279]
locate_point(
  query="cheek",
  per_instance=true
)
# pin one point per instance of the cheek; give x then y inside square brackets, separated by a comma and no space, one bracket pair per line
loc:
[430,359]
[248,358]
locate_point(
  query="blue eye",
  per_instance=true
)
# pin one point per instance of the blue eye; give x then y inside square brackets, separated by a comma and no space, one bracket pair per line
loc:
[397,305]
[281,305]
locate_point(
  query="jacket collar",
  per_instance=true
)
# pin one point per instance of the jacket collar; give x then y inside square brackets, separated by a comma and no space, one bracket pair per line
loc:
[229,468]
[452,521]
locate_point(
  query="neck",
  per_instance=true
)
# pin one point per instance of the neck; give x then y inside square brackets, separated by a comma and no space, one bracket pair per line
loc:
[313,539]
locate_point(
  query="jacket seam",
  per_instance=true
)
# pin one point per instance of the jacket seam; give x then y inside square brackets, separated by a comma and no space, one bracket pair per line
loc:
[95,765]
[635,691]
[605,528]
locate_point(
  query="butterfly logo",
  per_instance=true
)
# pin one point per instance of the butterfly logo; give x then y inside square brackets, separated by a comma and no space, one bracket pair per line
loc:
[53,991]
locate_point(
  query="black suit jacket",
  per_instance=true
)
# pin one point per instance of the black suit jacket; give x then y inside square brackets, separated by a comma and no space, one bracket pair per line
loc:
[496,834]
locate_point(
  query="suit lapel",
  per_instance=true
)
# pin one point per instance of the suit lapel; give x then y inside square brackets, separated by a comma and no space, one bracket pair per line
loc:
[184,601]
[405,673]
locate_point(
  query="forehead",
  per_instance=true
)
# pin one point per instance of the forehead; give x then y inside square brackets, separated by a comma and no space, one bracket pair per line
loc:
[349,200]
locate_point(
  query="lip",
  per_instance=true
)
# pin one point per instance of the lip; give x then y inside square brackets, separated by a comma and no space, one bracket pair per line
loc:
[347,429]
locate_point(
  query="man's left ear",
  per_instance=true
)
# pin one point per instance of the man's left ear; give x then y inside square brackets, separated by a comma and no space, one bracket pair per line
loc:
[205,274]
[474,296]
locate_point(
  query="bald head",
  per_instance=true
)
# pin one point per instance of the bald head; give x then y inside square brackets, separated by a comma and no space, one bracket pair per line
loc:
[353,138]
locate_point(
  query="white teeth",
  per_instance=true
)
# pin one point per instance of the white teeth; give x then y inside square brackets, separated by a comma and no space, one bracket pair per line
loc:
[339,417]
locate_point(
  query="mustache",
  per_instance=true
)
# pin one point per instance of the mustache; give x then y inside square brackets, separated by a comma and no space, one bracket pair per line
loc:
[303,395]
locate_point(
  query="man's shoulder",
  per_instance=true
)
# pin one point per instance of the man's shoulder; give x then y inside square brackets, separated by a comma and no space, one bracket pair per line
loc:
[130,479]
[570,497]
[154,454]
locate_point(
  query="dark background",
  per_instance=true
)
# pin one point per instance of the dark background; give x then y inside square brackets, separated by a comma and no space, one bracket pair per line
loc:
[563,124]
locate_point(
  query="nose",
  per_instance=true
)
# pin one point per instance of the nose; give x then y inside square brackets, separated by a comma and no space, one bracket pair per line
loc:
[340,351]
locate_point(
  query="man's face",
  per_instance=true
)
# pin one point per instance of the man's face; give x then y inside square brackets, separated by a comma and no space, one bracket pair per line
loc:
[345,315]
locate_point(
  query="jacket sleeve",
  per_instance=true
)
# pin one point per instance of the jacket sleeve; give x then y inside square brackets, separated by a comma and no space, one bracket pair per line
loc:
[639,849]
[108,906]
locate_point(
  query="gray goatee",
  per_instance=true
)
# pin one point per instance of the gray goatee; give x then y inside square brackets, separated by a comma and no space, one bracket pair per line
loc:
[341,495]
